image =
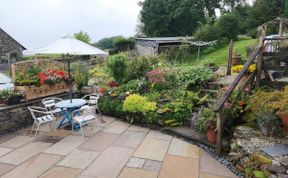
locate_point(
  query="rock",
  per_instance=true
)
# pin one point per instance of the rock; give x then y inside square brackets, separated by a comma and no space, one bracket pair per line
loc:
[284,161]
[273,176]
[276,169]
[282,175]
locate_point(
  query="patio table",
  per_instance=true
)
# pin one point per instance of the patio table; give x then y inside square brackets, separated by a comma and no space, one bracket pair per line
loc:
[67,108]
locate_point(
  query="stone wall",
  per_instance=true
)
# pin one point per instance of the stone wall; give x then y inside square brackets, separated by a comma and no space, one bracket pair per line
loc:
[18,116]
[146,50]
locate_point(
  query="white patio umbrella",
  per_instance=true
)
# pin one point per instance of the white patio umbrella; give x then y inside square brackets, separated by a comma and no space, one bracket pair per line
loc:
[67,46]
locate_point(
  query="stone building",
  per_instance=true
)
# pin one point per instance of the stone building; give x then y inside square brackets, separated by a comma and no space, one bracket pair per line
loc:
[154,46]
[9,47]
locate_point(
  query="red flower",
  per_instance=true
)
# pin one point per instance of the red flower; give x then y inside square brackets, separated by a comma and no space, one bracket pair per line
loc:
[42,77]
[112,84]
[101,90]
[241,103]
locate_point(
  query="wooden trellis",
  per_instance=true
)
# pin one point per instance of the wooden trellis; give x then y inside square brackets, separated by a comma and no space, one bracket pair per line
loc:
[23,67]
[31,91]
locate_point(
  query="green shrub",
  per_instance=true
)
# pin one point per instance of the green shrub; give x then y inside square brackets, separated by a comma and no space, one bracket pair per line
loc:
[118,66]
[206,116]
[228,24]
[191,77]
[111,106]
[175,113]
[138,68]
[138,104]
[81,75]
[207,32]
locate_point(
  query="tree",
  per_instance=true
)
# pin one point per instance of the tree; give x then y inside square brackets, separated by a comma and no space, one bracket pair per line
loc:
[82,36]
[265,10]
[105,43]
[228,24]
[116,44]
[174,17]
[286,9]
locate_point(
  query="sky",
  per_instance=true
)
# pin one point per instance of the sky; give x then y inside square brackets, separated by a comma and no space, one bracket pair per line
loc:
[37,22]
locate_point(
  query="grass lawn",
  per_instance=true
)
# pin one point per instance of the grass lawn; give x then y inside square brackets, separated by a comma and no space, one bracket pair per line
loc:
[220,56]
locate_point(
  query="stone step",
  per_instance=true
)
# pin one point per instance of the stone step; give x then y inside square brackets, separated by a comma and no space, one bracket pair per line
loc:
[190,134]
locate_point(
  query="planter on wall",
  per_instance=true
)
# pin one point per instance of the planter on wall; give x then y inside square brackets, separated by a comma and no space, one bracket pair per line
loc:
[14,100]
[33,92]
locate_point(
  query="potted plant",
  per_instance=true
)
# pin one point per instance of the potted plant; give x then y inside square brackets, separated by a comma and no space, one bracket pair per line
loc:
[10,97]
[207,124]
[4,94]
[268,122]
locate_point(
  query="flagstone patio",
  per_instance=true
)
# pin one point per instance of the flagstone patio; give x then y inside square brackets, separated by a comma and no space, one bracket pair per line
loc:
[115,149]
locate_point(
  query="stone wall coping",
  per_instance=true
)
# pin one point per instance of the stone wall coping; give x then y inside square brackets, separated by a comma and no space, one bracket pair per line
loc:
[29,103]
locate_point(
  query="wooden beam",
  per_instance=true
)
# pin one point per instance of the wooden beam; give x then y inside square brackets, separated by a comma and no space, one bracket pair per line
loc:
[274,67]
[237,80]
[219,133]
[230,55]
[259,66]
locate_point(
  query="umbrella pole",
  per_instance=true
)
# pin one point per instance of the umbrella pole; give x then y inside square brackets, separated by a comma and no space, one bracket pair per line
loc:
[70,81]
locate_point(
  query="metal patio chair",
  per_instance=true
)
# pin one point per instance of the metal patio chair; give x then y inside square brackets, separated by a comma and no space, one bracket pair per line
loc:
[50,103]
[92,100]
[41,116]
[84,115]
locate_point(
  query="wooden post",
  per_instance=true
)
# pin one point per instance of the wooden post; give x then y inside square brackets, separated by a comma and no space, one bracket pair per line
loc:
[219,133]
[281,28]
[259,65]
[230,55]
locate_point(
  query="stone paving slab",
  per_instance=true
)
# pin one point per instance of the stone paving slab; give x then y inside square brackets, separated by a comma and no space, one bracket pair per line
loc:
[152,165]
[108,153]
[4,150]
[66,145]
[61,172]
[138,128]
[17,141]
[24,153]
[4,168]
[179,167]
[99,142]
[152,149]
[204,175]
[78,159]
[129,139]
[158,135]
[109,163]
[60,133]
[107,121]
[211,166]
[137,173]
[34,167]
[116,127]
[181,148]
[135,162]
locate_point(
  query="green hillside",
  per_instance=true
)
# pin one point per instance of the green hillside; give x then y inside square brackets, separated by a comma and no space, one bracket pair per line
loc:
[220,56]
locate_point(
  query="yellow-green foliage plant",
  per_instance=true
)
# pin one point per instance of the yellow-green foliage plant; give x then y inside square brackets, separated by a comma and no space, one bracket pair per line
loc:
[274,101]
[138,104]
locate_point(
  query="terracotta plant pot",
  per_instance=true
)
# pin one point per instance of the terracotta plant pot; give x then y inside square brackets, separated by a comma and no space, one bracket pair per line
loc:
[211,136]
[284,118]
[236,60]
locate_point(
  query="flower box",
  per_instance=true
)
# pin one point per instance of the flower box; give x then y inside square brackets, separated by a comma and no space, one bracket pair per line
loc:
[33,92]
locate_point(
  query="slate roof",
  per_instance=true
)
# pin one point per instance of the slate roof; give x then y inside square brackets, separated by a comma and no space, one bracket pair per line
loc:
[8,43]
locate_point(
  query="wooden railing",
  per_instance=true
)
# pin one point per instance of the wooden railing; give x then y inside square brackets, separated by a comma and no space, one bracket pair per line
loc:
[227,94]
